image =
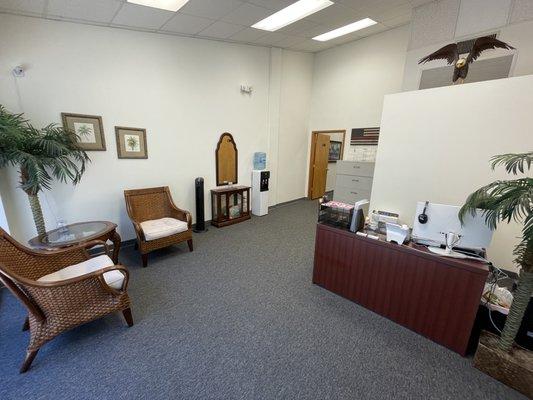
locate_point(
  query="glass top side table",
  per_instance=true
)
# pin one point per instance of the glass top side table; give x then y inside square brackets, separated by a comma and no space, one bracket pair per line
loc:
[79,233]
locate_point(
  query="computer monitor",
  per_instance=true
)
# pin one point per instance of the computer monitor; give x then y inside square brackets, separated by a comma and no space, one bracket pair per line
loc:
[442,218]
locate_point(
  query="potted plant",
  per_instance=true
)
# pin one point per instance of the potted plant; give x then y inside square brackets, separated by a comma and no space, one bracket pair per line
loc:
[503,201]
[41,156]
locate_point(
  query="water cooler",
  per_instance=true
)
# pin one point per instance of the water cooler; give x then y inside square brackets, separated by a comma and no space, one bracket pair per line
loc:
[260,192]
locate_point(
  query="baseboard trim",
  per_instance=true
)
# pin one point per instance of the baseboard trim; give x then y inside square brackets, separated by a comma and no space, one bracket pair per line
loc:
[286,203]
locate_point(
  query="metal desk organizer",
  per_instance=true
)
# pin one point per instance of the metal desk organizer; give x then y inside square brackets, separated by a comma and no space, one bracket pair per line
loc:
[338,215]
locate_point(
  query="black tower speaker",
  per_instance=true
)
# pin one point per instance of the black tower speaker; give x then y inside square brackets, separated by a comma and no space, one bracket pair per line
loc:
[200,213]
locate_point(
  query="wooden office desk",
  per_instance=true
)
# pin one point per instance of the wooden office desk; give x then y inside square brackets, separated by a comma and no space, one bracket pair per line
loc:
[437,297]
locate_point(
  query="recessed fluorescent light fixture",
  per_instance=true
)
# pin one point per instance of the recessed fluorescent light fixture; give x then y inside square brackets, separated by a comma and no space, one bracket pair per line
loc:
[169,5]
[292,13]
[344,30]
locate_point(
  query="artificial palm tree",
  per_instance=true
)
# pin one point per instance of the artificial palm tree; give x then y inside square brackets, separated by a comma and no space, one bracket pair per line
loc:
[41,155]
[503,201]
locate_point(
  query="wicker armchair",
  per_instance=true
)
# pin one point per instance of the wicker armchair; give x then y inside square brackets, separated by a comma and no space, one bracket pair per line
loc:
[147,207]
[57,306]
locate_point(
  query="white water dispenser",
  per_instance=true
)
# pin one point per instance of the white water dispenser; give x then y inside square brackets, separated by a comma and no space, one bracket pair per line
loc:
[260,180]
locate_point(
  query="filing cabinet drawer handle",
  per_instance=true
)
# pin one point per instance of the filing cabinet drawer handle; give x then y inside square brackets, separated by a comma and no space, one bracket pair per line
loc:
[355,180]
[353,192]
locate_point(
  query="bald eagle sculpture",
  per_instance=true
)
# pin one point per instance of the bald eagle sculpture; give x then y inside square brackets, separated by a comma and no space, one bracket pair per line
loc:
[450,53]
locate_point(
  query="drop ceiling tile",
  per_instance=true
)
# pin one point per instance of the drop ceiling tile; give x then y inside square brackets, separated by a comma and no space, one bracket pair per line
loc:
[336,15]
[290,41]
[398,21]
[522,11]
[274,5]
[87,10]
[356,4]
[221,30]
[133,15]
[372,30]
[383,14]
[213,9]
[188,24]
[417,3]
[317,30]
[481,15]
[271,38]
[311,46]
[248,35]
[375,5]
[247,15]
[298,27]
[23,6]
[434,23]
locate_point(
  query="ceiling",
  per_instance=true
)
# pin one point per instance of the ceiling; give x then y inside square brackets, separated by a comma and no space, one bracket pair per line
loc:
[227,20]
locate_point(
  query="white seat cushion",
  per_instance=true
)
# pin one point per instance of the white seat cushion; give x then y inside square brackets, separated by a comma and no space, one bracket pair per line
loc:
[114,279]
[159,228]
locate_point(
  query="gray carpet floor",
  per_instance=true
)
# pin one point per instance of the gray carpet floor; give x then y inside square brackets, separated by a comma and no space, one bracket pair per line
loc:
[238,318]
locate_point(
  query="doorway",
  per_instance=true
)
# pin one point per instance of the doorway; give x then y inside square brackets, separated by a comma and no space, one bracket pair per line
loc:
[320,162]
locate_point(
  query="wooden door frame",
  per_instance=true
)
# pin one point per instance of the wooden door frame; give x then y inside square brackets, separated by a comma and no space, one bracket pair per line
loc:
[312,154]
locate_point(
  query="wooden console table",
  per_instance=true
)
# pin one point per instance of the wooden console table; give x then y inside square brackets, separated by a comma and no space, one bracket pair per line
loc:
[437,297]
[230,205]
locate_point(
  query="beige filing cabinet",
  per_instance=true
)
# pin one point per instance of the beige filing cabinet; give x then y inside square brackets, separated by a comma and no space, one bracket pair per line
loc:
[353,181]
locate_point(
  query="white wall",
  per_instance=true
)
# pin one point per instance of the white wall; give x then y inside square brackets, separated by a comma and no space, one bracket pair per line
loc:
[295,100]
[436,144]
[350,82]
[184,91]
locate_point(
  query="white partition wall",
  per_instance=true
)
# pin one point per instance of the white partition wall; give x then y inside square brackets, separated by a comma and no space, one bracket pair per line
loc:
[436,144]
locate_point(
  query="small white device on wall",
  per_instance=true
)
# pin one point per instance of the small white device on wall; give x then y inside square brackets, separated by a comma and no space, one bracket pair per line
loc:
[247,89]
[18,71]
[260,180]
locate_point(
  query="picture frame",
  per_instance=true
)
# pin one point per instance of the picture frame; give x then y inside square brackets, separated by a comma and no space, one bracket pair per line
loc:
[335,151]
[88,128]
[131,142]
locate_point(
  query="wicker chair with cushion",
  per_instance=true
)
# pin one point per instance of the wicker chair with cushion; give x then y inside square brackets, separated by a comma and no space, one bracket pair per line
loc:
[157,221]
[61,289]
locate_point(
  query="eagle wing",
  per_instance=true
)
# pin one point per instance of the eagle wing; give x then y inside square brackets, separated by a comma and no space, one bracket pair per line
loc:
[448,53]
[486,43]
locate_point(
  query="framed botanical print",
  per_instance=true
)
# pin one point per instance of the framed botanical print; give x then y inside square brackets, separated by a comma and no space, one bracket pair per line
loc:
[88,128]
[131,142]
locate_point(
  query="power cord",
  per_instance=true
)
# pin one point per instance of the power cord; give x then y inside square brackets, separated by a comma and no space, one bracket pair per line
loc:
[496,274]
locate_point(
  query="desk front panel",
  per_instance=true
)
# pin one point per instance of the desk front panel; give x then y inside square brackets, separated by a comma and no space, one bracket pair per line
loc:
[424,293]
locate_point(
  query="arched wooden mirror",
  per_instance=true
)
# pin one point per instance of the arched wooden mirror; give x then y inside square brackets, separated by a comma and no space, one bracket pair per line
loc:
[226,159]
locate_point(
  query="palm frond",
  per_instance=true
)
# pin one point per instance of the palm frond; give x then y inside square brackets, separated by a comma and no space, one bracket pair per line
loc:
[524,255]
[513,162]
[501,201]
[506,201]
[42,154]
